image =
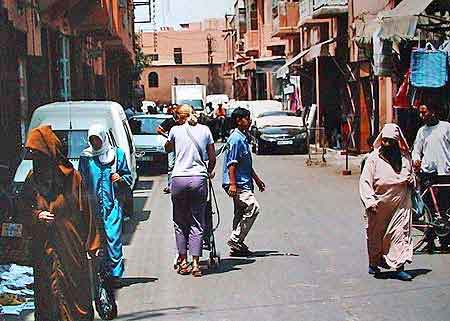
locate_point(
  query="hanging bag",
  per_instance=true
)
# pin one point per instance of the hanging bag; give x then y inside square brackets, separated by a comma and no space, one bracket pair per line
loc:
[429,67]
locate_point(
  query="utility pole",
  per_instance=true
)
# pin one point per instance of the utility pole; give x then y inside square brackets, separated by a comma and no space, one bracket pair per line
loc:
[210,40]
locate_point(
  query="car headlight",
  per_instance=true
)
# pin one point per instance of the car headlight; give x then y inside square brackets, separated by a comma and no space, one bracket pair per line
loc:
[302,135]
[140,154]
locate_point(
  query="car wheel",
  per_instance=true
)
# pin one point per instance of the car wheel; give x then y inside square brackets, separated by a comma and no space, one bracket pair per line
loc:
[303,149]
[258,149]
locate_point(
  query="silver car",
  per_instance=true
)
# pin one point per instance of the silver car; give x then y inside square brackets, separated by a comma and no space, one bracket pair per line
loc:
[149,144]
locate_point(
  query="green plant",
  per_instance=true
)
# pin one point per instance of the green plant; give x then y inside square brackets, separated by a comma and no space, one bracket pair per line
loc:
[142,60]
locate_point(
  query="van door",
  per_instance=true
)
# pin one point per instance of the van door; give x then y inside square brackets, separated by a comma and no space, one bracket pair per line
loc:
[132,149]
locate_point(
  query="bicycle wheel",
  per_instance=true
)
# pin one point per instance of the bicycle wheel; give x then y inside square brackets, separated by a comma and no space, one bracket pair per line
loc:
[421,228]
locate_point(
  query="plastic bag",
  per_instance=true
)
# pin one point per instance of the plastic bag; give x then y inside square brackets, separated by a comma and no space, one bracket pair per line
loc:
[105,302]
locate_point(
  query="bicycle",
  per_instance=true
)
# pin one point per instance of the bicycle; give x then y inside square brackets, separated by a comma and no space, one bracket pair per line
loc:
[434,221]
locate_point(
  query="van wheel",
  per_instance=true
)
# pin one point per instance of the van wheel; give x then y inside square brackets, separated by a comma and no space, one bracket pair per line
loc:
[128,210]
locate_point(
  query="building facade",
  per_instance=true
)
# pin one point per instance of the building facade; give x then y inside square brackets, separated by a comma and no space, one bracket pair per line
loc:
[193,54]
[54,50]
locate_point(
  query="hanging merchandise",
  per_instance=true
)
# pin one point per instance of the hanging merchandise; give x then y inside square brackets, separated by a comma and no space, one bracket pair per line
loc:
[401,98]
[429,67]
[446,47]
[382,56]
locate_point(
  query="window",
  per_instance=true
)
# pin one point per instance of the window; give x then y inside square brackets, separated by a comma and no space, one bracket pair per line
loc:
[64,69]
[253,16]
[153,80]
[129,139]
[145,126]
[73,142]
[198,81]
[178,56]
[154,57]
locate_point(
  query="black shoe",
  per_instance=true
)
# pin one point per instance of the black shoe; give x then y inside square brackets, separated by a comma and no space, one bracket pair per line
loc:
[374,270]
[403,276]
[235,246]
[242,253]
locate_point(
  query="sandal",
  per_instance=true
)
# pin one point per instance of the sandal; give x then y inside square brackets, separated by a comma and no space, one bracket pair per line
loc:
[184,268]
[196,272]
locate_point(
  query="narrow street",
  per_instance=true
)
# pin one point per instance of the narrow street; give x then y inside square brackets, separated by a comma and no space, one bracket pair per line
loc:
[310,258]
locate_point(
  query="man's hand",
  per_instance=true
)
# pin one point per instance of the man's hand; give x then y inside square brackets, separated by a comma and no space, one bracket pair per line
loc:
[232,190]
[261,185]
[46,216]
[115,177]
[372,210]
[417,165]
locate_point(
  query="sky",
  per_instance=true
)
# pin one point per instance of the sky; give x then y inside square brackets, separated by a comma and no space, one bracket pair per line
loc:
[174,12]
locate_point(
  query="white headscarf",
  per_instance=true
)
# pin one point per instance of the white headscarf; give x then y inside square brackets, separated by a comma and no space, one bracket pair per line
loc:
[392,131]
[106,153]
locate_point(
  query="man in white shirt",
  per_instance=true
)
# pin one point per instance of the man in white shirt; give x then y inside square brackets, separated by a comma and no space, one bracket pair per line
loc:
[431,153]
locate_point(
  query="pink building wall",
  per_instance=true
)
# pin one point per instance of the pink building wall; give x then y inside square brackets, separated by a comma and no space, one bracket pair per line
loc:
[192,39]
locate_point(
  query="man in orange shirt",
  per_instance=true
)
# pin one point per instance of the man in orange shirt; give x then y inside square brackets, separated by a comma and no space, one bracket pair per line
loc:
[220,116]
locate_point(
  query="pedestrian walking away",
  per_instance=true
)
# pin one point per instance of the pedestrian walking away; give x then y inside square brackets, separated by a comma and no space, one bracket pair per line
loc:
[238,178]
[104,170]
[386,184]
[63,231]
[194,146]
[164,130]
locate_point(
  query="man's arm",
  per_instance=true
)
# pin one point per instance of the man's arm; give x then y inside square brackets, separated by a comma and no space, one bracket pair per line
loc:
[232,169]
[417,152]
[261,185]
[211,159]
[161,131]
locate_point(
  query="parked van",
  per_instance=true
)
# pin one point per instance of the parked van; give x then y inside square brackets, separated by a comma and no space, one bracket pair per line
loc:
[71,121]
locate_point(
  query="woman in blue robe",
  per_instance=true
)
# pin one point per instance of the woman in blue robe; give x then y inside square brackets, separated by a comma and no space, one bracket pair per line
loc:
[103,168]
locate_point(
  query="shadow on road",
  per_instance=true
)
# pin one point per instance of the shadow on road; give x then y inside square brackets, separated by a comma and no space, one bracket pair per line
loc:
[126,282]
[228,265]
[140,215]
[143,315]
[391,275]
[270,253]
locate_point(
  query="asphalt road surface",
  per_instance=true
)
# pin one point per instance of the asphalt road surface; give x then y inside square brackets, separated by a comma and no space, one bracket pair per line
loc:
[310,259]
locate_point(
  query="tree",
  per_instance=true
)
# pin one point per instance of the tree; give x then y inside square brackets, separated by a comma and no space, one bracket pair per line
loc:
[142,60]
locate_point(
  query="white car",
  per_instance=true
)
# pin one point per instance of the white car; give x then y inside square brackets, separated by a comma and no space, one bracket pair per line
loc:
[71,121]
[217,99]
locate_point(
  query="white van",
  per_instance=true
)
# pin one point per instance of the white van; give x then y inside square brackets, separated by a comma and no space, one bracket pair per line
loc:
[71,121]
[256,107]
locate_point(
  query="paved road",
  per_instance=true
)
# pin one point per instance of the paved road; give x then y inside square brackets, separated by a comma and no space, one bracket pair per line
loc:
[310,261]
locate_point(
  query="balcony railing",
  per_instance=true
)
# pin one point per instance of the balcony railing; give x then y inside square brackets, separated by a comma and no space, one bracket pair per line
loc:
[329,7]
[306,9]
[251,41]
[286,17]
[310,9]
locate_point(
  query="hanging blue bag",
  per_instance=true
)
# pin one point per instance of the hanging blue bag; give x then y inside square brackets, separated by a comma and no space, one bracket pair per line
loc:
[429,67]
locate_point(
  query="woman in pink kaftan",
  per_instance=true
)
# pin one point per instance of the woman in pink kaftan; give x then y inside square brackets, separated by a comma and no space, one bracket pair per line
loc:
[385,188]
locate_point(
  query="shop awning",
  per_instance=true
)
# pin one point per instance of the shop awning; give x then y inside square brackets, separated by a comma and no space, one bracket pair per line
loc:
[264,64]
[400,22]
[284,70]
[317,50]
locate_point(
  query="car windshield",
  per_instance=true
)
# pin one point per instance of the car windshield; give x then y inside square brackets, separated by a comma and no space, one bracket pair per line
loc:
[145,125]
[197,104]
[276,113]
[282,130]
[73,142]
